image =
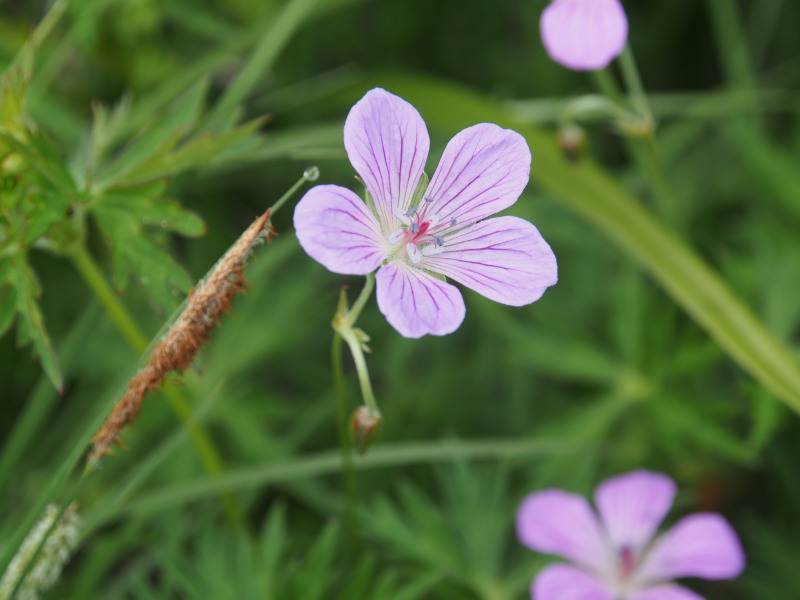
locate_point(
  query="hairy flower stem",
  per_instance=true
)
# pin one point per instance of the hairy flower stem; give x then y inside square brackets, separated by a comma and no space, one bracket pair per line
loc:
[127,326]
[344,323]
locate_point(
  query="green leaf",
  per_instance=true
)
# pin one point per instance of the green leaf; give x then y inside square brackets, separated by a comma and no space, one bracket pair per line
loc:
[8,306]
[46,210]
[162,278]
[143,204]
[30,324]
[161,137]
[203,150]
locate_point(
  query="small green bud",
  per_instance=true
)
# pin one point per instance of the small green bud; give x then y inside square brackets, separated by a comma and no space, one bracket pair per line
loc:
[364,425]
[572,139]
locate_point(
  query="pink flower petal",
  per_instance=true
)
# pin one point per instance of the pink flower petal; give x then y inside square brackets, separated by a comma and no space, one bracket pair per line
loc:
[584,35]
[483,170]
[505,259]
[633,505]
[564,582]
[416,303]
[387,143]
[700,545]
[667,591]
[557,522]
[336,228]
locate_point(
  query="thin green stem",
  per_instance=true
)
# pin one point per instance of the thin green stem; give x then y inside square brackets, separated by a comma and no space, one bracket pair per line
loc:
[363,372]
[727,28]
[344,324]
[640,133]
[124,322]
[310,174]
[361,301]
[317,465]
[607,86]
[94,278]
[345,444]
[636,93]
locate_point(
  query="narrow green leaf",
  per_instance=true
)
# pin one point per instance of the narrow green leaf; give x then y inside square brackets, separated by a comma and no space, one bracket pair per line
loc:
[273,40]
[30,325]
[162,278]
[153,211]
[161,137]
[200,151]
[8,306]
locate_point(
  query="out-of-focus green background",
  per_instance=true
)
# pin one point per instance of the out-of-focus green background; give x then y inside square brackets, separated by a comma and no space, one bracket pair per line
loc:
[606,373]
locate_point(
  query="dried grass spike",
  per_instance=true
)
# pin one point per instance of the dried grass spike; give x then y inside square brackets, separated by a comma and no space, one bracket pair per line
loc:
[175,352]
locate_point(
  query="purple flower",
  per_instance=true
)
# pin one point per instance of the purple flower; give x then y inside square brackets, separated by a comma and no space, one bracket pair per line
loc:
[417,233]
[584,35]
[616,555]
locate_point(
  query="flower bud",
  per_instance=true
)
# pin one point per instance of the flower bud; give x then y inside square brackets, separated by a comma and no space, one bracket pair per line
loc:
[572,140]
[364,425]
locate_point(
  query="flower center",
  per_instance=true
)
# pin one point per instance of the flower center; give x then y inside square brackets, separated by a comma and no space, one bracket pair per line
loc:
[418,232]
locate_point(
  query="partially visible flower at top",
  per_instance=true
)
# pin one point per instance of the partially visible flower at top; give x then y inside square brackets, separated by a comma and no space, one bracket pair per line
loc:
[616,556]
[584,35]
[417,233]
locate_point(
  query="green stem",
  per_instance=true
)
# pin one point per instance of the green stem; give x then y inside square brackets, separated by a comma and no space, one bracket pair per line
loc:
[310,174]
[94,278]
[636,93]
[124,322]
[363,372]
[344,325]
[345,445]
[732,49]
[607,86]
[318,465]
[361,301]
[641,147]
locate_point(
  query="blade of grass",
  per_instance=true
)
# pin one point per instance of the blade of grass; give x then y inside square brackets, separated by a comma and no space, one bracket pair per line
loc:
[331,462]
[274,39]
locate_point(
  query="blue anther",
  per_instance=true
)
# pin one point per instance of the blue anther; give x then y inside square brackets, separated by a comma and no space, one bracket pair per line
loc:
[411,210]
[453,222]
[439,241]
[415,228]
[428,198]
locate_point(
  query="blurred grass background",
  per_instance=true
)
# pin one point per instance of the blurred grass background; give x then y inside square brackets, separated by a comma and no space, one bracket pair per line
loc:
[605,373]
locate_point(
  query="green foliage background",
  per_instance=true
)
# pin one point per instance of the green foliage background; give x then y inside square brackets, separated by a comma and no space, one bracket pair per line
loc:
[153,132]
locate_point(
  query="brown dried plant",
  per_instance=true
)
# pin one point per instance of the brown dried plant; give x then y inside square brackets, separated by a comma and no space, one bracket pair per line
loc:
[176,350]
